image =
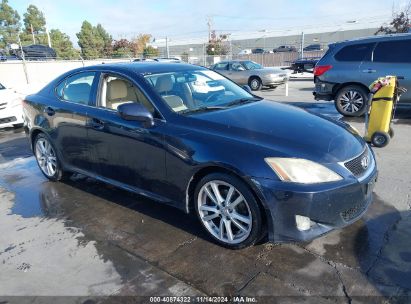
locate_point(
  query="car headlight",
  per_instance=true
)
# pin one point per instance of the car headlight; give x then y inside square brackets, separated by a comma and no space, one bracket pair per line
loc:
[297,170]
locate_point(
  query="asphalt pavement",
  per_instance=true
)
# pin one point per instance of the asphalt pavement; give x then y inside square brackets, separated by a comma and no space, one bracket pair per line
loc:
[81,241]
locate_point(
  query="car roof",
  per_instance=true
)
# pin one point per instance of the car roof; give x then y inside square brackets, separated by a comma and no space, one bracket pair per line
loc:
[375,38]
[144,67]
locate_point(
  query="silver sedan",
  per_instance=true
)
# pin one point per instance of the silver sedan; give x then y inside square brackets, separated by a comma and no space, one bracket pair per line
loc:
[246,72]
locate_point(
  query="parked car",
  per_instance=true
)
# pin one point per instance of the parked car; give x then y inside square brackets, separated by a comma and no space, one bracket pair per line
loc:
[162,59]
[258,51]
[246,72]
[347,69]
[242,164]
[313,47]
[245,52]
[304,65]
[36,52]
[11,111]
[284,48]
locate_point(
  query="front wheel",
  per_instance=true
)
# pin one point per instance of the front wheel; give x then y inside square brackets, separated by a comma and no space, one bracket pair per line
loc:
[351,101]
[47,159]
[228,211]
[255,83]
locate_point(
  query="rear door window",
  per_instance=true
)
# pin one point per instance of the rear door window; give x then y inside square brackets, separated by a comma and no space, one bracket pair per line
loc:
[393,51]
[221,66]
[355,52]
[77,88]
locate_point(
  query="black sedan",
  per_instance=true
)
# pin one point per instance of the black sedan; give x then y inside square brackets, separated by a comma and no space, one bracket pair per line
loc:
[188,137]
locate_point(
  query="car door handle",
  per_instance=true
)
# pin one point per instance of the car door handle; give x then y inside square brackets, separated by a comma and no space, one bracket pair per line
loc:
[49,111]
[96,124]
[401,77]
[369,71]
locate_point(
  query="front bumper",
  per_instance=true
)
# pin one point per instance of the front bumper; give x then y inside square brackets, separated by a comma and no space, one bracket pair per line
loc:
[329,207]
[274,80]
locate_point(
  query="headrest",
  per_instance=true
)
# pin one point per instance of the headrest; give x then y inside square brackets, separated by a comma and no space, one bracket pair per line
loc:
[164,84]
[117,89]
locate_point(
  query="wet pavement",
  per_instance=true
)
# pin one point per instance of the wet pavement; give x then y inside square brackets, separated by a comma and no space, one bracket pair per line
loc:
[87,240]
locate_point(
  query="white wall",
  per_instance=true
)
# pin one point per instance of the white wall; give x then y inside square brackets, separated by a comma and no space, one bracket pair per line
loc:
[40,72]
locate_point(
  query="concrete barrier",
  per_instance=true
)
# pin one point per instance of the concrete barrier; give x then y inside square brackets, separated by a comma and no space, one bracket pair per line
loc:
[40,72]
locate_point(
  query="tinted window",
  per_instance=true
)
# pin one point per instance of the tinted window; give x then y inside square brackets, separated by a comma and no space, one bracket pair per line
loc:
[393,51]
[77,88]
[221,66]
[356,52]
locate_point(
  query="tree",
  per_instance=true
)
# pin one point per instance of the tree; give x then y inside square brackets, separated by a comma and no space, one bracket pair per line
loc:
[62,45]
[217,45]
[89,41]
[34,18]
[122,48]
[139,43]
[400,22]
[9,24]
[107,41]
[149,51]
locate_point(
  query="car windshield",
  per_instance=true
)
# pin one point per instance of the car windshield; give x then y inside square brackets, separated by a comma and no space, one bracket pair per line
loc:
[202,90]
[251,65]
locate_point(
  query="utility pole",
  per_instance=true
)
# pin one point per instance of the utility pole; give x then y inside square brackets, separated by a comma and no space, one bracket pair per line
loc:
[302,45]
[209,25]
[167,50]
[48,37]
[24,59]
[32,33]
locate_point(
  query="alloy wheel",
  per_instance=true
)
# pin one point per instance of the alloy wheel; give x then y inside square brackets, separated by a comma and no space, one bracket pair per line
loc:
[254,84]
[351,102]
[46,157]
[224,212]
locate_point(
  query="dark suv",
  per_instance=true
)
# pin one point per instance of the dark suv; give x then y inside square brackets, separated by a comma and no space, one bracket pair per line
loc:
[347,69]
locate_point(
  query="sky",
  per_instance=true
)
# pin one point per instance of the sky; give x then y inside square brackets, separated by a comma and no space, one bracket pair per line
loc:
[183,21]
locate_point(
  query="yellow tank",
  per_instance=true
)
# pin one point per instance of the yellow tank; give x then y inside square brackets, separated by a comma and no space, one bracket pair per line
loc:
[379,130]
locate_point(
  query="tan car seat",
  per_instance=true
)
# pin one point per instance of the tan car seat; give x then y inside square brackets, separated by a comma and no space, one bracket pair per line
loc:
[164,85]
[116,94]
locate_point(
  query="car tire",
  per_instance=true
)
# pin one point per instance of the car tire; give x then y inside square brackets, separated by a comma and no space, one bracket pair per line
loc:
[236,223]
[380,139]
[255,83]
[47,159]
[351,101]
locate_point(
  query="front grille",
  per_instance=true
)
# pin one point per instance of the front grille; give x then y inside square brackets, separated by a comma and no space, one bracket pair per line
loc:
[355,165]
[353,212]
[7,120]
[3,105]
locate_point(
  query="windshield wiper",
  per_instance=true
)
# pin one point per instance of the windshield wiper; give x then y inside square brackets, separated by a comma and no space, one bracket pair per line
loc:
[242,101]
[202,109]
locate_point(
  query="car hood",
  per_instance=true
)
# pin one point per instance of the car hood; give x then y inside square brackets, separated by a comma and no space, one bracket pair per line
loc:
[286,131]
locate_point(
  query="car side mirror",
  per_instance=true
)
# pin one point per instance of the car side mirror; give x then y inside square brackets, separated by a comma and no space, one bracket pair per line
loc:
[247,88]
[136,112]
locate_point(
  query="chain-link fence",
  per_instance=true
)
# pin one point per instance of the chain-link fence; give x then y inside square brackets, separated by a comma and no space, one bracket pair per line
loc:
[265,59]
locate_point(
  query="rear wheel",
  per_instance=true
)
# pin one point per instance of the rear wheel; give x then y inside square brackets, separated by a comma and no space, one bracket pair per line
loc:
[351,100]
[255,83]
[228,211]
[47,159]
[380,139]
